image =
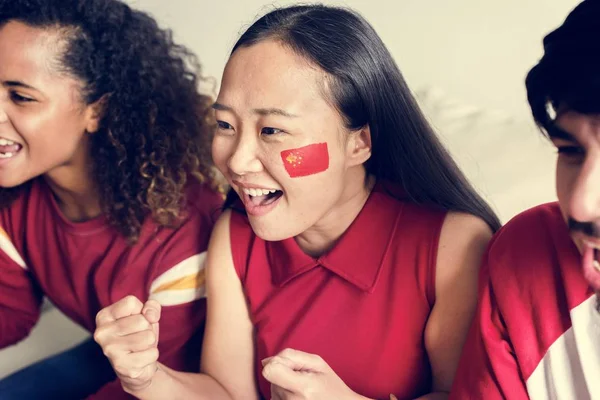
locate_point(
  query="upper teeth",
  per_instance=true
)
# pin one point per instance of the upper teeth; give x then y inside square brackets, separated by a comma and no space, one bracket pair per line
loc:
[6,142]
[258,192]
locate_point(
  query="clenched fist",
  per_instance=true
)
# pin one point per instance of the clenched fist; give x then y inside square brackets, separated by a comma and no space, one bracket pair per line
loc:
[127,331]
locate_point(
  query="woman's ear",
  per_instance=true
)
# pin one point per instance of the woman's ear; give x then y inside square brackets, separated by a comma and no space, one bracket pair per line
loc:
[94,113]
[359,146]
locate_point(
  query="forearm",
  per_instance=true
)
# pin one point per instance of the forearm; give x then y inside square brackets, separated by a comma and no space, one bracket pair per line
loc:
[170,384]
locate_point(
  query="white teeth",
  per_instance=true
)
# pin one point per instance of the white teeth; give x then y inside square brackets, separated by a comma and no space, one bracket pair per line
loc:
[6,142]
[258,192]
[596,265]
[6,155]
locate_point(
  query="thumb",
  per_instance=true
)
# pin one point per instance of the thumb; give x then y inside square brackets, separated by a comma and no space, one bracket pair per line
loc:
[283,376]
[301,361]
[152,311]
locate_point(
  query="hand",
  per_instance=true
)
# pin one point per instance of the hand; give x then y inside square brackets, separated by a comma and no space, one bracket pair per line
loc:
[127,331]
[295,375]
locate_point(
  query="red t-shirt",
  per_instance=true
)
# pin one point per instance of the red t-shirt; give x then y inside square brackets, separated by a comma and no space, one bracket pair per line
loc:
[536,334]
[362,306]
[84,267]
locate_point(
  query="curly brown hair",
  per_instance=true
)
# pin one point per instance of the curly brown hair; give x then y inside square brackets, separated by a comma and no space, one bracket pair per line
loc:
[156,126]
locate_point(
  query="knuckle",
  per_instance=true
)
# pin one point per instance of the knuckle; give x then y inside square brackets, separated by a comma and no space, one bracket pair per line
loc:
[154,354]
[132,301]
[141,322]
[148,337]
[110,352]
[98,337]
[101,315]
[286,352]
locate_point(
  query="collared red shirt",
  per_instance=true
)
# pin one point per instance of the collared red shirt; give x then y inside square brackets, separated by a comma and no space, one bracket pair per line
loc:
[362,306]
[536,334]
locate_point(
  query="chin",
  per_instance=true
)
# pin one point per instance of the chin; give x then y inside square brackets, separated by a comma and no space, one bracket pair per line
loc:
[10,183]
[268,232]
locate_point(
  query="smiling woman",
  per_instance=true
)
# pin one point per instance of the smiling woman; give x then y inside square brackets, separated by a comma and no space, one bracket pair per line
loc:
[106,186]
[347,265]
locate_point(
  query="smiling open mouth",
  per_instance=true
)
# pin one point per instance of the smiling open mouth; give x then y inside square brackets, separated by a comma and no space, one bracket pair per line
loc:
[591,266]
[8,148]
[263,197]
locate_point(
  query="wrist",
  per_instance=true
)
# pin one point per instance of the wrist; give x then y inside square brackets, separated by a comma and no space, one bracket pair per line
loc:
[146,390]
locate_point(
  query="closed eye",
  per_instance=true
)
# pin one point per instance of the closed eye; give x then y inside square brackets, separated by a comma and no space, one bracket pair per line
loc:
[17,98]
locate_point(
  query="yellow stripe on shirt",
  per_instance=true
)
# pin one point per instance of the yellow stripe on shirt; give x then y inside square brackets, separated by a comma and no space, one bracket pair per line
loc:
[182,283]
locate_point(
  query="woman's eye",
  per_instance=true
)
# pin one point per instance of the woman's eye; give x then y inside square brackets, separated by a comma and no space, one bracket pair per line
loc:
[17,98]
[224,125]
[270,131]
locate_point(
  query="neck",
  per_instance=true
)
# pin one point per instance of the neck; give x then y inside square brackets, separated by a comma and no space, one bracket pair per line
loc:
[72,186]
[322,236]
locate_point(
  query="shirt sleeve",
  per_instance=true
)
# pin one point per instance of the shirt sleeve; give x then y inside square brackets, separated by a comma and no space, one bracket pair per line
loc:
[488,368]
[177,283]
[20,296]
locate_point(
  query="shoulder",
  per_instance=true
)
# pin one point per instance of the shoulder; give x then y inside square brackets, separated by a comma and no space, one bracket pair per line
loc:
[529,230]
[203,199]
[463,240]
[232,227]
[459,227]
[527,237]
[525,250]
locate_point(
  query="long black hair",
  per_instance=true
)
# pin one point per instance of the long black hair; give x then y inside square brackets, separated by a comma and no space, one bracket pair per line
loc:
[155,128]
[568,75]
[367,88]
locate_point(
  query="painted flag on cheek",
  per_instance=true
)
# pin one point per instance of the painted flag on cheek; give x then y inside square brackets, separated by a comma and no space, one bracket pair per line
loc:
[307,160]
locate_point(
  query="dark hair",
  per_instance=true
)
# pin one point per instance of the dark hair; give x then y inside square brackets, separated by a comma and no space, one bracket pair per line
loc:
[367,88]
[568,75]
[155,126]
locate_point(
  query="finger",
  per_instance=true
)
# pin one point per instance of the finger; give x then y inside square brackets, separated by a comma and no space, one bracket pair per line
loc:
[121,347]
[121,327]
[151,311]
[279,359]
[130,325]
[126,306]
[264,361]
[283,376]
[135,363]
[302,361]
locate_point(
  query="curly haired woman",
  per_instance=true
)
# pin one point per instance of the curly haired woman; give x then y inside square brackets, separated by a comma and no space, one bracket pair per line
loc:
[106,185]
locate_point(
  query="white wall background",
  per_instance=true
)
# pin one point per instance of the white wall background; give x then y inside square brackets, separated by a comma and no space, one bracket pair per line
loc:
[467,60]
[477,50]
[473,54]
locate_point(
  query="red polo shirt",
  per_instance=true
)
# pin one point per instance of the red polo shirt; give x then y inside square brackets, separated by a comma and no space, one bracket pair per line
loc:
[362,306]
[536,334]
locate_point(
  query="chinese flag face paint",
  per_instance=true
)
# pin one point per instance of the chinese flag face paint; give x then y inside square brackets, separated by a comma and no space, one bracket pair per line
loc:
[307,160]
